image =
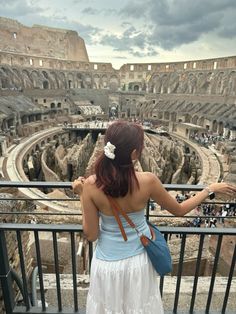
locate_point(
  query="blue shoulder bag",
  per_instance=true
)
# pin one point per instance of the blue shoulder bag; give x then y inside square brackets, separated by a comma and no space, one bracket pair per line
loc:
[156,247]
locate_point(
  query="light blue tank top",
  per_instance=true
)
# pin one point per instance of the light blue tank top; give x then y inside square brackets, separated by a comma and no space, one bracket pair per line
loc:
[111,245]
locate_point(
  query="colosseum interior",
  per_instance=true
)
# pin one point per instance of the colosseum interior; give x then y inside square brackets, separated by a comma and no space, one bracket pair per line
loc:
[55,105]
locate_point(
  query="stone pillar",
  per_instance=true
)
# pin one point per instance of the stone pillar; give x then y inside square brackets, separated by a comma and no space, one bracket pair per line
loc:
[226,132]
[232,135]
[3,144]
[13,131]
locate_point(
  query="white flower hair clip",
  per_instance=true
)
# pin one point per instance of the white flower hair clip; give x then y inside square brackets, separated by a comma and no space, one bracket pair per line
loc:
[109,150]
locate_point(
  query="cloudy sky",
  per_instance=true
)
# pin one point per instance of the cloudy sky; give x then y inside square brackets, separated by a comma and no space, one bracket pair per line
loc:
[126,31]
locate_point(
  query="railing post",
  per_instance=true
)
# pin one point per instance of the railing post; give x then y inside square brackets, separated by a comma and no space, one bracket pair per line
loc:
[5,275]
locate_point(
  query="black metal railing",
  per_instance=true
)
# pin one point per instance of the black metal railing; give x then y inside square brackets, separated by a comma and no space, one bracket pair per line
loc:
[24,289]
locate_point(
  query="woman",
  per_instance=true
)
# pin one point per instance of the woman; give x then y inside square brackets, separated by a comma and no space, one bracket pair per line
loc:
[122,278]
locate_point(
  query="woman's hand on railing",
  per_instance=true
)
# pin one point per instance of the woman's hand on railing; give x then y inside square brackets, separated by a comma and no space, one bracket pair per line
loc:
[77,185]
[223,188]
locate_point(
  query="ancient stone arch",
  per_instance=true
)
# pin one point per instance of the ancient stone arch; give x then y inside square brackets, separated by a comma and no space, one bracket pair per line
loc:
[104,81]
[37,80]
[17,78]
[87,81]
[173,116]
[160,115]
[96,81]
[114,110]
[183,84]
[221,128]
[156,84]
[4,79]
[218,82]
[55,79]
[232,83]
[46,80]
[201,121]
[166,115]
[192,82]
[187,118]
[70,80]
[208,84]
[214,126]
[45,85]
[114,83]
[195,119]
[79,80]
[62,78]
[164,85]
[173,83]
[45,74]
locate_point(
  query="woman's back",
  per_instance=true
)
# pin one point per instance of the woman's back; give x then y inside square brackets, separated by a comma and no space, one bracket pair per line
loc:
[111,245]
[132,202]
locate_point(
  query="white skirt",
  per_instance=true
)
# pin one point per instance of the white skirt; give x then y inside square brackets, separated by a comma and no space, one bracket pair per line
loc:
[127,286]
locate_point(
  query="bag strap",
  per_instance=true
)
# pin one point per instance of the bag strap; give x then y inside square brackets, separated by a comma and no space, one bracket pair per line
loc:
[116,209]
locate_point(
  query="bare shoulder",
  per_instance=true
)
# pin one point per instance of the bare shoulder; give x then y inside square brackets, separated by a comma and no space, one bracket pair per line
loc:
[147,177]
[90,181]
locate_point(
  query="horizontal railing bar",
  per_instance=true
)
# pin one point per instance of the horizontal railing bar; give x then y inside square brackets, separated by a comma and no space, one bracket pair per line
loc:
[40,199]
[41,227]
[51,310]
[199,312]
[48,184]
[190,216]
[79,228]
[79,214]
[77,198]
[47,213]
[35,184]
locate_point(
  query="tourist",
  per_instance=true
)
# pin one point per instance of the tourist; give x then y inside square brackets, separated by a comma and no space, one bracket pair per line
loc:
[122,279]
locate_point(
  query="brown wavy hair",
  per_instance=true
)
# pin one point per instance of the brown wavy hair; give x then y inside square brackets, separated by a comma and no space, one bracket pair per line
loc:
[116,177]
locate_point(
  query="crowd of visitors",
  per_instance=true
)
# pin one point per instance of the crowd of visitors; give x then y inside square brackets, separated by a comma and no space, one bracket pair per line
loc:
[213,212]
[206,138]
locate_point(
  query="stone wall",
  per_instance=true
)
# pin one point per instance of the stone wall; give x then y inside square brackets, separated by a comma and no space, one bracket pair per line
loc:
[49,174]
[41,41]
[11,241]
[98,149]
[61,162]
[161,156]
[78,156]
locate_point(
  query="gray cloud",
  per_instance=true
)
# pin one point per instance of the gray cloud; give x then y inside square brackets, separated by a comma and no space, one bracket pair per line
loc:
[130,37]
[90,11]
[228,27]
[134,9]
[132,41]
[18,8]
[119,57]
[183,21]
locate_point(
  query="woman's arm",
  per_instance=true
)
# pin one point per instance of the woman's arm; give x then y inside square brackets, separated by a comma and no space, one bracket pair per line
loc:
[166,201]
[90,212]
